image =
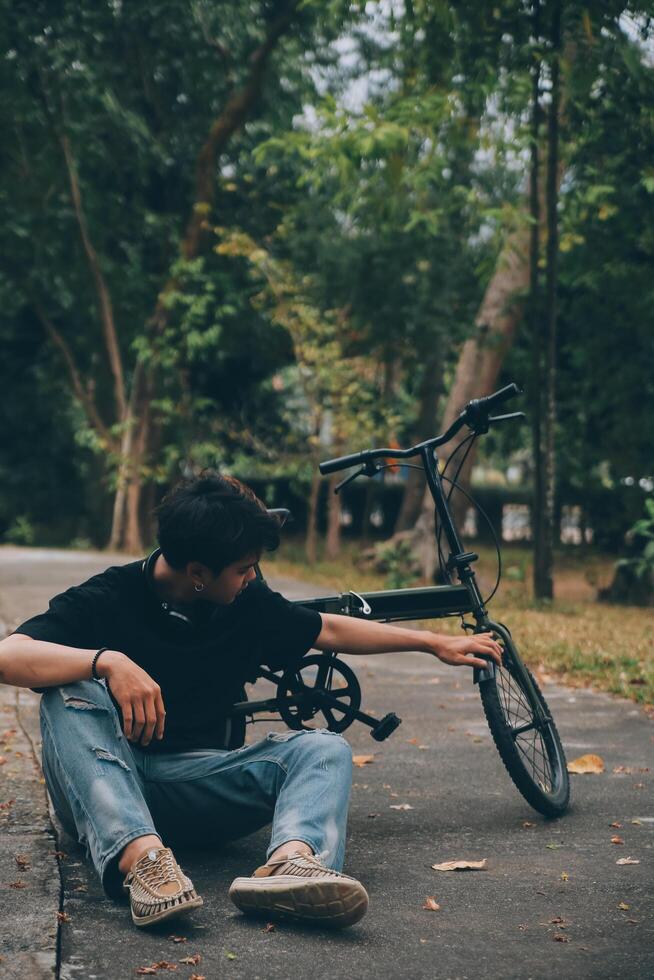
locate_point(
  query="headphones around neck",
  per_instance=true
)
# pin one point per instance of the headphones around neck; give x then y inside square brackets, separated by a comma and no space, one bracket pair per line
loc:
[179,619]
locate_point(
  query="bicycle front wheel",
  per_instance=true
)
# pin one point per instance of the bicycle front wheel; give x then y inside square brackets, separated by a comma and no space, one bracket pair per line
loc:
[530,748]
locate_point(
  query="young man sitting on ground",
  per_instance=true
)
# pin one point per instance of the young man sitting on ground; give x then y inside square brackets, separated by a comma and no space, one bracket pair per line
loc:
[139,668]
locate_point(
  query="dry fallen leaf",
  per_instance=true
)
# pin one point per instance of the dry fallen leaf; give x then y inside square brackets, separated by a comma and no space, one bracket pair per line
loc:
[431,905]
[627,770]
[18,884]
[559,937]
[586,764]
[617,840]
[146,971]
[412,741]
[178,939]
[63,917]
[461,866]
[197,976]
[23,861]
[362,760]
[623,906]
[230,956]
[193,960]
[5,806]
[527,823]
[636,823]
[618,826]
[269,927]
[371,816]
[2,760]
[401,806]
[164,965]
[628,860]
[565,876]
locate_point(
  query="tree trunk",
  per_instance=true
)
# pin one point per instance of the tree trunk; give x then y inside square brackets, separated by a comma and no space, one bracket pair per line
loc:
[536,400]
[499,316]
[481,359]
[367,511]
[126,527]
[543,564]
[311,543]
[429,393]
[333,545]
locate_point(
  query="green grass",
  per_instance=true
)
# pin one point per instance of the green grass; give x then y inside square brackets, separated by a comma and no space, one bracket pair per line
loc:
[574,638]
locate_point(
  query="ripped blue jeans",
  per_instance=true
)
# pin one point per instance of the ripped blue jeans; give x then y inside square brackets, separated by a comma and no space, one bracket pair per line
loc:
[106,790]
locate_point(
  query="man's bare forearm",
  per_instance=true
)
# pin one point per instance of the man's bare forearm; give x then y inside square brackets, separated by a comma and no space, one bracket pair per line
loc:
[25,662]
[349,635]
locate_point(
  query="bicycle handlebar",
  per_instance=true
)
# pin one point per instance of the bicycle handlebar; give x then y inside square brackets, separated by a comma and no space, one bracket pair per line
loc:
[475,414]
[344,462]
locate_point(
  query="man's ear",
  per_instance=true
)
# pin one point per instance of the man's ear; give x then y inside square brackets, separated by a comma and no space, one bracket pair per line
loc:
[196,570]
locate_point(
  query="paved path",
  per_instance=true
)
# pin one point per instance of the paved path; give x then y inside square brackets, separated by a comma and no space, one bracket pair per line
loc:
[503,922]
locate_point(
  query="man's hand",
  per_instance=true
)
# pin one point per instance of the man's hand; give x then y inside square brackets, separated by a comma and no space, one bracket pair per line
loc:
[138,695]
[453,650]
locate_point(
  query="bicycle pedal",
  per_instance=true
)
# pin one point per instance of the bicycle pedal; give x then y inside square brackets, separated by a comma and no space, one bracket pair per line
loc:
[385,727]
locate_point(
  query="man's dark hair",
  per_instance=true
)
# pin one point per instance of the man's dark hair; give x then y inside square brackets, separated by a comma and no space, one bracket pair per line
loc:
[215,520]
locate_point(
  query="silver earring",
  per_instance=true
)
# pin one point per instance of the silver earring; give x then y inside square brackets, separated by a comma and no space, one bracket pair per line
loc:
[199,588]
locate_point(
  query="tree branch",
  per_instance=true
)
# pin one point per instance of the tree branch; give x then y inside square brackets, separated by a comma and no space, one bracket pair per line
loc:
[106,308]
[234,113]
[83,393]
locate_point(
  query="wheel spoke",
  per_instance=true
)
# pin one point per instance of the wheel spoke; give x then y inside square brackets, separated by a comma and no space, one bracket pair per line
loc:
[525,730]
[327,712]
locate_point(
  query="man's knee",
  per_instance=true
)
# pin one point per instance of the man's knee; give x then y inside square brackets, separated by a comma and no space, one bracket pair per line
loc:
[80,696]
[329,748]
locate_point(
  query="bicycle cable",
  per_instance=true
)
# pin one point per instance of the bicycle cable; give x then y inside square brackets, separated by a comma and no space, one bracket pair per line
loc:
[469,441]
[475,504]
[496,542]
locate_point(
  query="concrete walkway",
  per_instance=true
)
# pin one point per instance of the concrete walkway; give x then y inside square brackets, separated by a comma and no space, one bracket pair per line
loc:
[552,902]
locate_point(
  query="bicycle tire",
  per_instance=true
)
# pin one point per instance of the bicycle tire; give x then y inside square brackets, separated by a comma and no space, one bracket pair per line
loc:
[545,783]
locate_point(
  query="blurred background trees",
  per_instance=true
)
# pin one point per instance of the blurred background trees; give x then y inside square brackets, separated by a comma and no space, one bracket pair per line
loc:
[254,234]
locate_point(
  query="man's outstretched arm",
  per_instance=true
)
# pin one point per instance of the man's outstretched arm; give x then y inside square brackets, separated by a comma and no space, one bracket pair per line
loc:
[349,635]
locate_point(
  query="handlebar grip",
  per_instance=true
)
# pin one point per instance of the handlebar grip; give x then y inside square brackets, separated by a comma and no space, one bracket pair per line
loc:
[498,398]
[341,463]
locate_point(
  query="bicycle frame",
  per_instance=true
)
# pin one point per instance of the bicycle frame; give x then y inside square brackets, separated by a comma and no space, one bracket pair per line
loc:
[403,605]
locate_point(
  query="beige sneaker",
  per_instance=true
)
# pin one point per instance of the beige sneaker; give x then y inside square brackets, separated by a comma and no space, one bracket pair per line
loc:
[158,889]
[300,887]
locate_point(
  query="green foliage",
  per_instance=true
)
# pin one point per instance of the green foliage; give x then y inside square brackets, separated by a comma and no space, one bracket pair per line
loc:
[398,561]
[355,234]
[20,531]
[642,564]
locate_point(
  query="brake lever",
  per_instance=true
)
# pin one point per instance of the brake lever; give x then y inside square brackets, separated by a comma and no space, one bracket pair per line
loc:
[348,479]
[368,469]
[507,418]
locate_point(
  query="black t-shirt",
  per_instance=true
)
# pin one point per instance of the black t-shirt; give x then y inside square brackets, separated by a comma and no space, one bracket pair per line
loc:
[201,666]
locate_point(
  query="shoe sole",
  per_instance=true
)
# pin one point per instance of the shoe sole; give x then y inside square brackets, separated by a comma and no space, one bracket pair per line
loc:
[337,903]
[174,910]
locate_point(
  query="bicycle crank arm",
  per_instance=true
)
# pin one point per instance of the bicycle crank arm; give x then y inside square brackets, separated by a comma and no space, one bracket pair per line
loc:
[251,707]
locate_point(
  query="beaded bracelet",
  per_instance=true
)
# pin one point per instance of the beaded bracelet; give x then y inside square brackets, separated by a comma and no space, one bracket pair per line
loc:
[94,672]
